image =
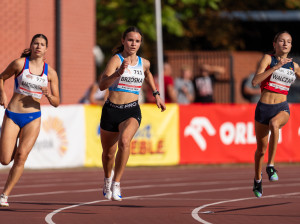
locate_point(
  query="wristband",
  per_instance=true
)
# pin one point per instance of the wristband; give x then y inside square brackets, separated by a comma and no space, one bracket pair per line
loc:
[156,93]
[118,72]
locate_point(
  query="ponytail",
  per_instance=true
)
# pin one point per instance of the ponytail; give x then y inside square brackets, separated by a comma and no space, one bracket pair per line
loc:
[26,53]
[118,49]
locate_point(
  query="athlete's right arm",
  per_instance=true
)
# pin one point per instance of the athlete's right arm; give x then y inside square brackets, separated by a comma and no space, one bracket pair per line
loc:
[13,68]
[112,71]
[262,73]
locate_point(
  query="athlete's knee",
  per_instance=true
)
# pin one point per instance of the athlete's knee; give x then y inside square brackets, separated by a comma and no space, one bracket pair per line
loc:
[20,158]
[4,161]
[124,144]
[108,156]
[261,151]
[274,125]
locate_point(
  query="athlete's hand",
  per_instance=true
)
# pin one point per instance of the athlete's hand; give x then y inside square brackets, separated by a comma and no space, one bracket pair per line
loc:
[3,100]
[123,66]
[46,92]
[283,61]
[160,104]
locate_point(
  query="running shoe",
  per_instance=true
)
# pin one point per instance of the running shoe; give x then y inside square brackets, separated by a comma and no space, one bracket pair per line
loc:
[3,200]
[107,186]
[116,192]
[271,171]
[257,189]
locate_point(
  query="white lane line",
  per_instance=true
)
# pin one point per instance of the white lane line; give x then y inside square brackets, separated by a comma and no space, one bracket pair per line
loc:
[166,184]
[195,212]
[152,186]
[48,218]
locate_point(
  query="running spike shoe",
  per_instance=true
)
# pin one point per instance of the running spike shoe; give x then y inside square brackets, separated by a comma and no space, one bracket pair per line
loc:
[107,186]
[257,189]
[3,200]
[116,192]
[272,173]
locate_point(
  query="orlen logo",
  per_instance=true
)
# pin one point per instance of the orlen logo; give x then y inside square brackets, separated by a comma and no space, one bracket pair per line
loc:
[196,126]
[240,133]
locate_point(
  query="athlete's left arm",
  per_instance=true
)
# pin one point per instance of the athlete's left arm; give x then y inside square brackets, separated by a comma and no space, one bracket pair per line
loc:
[297,70]
[52,95]
[150,81]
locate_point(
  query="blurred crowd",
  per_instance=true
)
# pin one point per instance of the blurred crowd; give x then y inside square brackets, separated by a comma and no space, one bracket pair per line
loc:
[188,87]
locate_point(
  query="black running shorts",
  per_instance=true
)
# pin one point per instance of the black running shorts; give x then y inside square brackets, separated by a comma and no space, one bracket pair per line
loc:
[265,112]
[114,114]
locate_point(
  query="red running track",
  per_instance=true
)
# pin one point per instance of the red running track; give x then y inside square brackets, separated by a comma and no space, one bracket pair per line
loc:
[184,194]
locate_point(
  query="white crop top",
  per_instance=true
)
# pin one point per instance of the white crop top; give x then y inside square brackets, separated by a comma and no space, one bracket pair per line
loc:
[29,84]
[131,80]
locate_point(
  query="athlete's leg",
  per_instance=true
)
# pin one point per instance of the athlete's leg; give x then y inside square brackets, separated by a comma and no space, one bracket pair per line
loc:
[275,124]
[109,142]
[8,140]
[262,134]
[27,138]
[127,129]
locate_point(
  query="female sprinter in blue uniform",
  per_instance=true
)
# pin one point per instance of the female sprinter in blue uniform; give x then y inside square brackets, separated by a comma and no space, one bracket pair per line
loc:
[275,75]
[121,114]
[22,119]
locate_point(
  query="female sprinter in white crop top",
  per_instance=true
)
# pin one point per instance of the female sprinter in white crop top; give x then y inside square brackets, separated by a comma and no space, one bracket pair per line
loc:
[275,74]
[121,114]
[22,119]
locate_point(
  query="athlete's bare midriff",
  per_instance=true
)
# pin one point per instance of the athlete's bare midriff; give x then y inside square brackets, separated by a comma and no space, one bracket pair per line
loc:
[23,104]
[269,97]
[119,97]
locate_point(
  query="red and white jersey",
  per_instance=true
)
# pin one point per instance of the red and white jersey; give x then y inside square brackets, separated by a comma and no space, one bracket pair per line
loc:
[281,79]
[30,84]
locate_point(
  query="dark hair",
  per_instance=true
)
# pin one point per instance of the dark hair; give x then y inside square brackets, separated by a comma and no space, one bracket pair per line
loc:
[120,48]
[276,38]
[27,51]
[278,34]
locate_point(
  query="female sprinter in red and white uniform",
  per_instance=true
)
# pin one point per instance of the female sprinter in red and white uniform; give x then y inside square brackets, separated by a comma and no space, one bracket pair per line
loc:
[121,114]
[275,75]
[22,119]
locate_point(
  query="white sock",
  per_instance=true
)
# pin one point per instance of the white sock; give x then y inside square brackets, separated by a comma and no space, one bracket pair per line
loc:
[107,179]
[116,183]
[258,181]
[270,165]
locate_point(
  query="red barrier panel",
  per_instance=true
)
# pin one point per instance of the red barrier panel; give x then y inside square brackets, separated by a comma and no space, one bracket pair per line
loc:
[224,133]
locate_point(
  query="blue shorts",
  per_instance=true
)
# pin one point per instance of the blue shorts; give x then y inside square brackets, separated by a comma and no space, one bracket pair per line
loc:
[265,112]
[21,119]
[114,114]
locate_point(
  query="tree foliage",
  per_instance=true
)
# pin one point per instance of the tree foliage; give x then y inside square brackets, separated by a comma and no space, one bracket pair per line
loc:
[187,24]
[113,17]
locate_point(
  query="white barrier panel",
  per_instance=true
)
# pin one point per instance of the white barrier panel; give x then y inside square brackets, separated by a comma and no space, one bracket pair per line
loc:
[61,142]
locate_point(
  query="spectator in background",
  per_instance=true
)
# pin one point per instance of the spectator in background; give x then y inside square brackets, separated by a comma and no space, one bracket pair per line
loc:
[94,95]
[184,86]
[249,92]
[170,92]
[204,82]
